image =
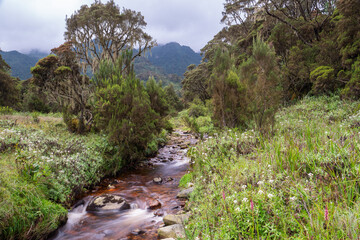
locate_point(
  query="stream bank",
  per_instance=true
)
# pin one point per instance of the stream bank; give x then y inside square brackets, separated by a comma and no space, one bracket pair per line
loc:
[148,192]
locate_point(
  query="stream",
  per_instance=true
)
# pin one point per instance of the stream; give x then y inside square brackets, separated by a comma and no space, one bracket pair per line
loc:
[140,190]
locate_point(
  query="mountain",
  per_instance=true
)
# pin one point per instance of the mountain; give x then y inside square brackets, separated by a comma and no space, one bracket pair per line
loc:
[21,63]
[173,58]
[165,62]
[145,69]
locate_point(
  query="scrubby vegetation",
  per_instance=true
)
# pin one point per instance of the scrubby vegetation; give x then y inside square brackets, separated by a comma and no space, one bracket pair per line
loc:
[43,167]
[265,171]
[301,183]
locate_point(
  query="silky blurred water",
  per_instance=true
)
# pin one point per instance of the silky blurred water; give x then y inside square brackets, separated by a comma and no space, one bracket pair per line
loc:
[138,188]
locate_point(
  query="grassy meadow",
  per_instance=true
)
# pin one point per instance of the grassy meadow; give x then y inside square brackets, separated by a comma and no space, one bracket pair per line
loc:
[300,182]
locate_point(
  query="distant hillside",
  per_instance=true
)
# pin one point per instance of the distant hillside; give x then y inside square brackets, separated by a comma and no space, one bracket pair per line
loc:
[21,63]
[173,58]
[165,62]
[145,69]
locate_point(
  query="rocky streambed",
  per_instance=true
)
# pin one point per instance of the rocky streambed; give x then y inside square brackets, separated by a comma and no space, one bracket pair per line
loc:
[138,204]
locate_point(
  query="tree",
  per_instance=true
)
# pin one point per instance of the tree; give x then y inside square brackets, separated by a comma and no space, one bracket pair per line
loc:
[59,76]
[157,97]
[227,91]
[103,31]
[123,110]
[195,82]
[306,18]
[261,76]
[9,86]
[172,98]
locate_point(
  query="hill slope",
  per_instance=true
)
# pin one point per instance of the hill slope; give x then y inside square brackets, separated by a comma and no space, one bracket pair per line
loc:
[21,63]
[173,58]
[165,62]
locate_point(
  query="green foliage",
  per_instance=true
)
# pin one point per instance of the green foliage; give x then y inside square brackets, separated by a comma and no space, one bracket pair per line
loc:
[227,91]
[323,79]
[173,99]
[196,82]
[197,109]
[35,117]
[352,88]
[42,165]
[9,87]
[21,63]
[185,180]
[173,58]
[123,110]
[300,182]
[247,95]
[6,110]
[157,97]
[59,78]
[62,70]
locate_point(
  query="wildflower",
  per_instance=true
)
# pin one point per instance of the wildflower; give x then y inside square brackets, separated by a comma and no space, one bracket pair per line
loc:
[326,213]
[260,183]
[235,201]
[270,195]
[292,199]
[271,181]
[223,195]
[245,200]
[243,187]
[251,205]
[260,192]
[310,175]
[237,209]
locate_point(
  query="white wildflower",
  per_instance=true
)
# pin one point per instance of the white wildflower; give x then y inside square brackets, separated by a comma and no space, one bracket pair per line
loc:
[260,192]
[243,187]
[270,195]
[245,200]
[292,199]
[260,183]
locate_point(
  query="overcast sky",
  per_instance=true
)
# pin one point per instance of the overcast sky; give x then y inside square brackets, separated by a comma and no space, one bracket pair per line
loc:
[40,24]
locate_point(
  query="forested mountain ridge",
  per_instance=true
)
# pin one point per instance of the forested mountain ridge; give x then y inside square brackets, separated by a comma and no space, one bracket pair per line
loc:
[173,57]
[21,63]
[161,63]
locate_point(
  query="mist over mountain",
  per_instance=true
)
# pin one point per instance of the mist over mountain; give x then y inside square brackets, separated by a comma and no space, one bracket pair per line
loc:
[165,62]
[21,63]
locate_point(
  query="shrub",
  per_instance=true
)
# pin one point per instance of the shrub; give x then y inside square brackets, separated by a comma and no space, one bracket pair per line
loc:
[6,110]
[124,112]
[323,79]
[352,88]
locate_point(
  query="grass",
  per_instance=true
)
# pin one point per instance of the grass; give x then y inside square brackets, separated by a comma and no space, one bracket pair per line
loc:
[302,182]
[42,168]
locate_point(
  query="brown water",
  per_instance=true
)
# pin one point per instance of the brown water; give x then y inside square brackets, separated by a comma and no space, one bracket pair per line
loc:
[139,189]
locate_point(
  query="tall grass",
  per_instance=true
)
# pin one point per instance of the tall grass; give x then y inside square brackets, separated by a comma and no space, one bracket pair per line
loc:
[300,183]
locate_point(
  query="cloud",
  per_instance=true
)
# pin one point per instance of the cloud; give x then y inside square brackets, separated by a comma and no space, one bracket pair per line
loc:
[40,24]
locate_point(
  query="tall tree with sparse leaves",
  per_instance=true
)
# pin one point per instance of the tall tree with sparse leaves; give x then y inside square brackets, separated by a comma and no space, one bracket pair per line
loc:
[104,31]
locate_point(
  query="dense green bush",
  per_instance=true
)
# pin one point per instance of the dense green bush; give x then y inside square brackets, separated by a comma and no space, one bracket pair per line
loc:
[124,112]
[323,79]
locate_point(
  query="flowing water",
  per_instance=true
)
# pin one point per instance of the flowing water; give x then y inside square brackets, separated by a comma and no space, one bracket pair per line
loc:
[139,189]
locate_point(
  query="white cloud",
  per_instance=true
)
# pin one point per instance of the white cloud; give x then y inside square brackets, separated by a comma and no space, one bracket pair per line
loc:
[40,24]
